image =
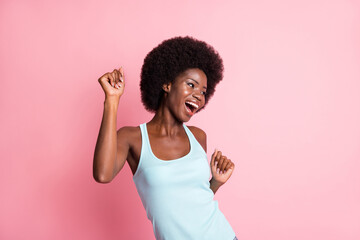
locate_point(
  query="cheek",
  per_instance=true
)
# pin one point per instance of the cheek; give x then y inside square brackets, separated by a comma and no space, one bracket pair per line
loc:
[203,101]
[178,94]
[186,91]
[175,98]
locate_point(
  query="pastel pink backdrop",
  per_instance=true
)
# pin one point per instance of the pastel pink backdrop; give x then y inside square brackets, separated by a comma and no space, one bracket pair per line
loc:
[287,113]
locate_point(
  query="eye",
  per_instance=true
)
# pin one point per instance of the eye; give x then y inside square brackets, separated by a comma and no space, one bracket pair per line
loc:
[203,93]
[191,85]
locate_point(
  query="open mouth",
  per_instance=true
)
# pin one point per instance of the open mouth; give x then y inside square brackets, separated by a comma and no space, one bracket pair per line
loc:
[191,107]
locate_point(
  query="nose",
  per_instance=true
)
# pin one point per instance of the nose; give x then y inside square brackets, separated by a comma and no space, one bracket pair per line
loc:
[197,95]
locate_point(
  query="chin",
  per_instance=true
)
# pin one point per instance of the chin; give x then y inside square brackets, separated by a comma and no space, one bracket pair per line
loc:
[184,118]
[188,118]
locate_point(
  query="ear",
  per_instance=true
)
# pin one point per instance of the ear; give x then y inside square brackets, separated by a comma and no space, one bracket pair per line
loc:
[166,87]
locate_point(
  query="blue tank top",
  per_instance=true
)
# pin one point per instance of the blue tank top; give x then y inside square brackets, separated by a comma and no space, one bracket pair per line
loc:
[176,194]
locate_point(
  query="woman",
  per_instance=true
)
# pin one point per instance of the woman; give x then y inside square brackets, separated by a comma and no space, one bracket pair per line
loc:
[168,159]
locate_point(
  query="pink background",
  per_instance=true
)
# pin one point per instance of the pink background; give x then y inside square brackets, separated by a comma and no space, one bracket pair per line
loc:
[287,113]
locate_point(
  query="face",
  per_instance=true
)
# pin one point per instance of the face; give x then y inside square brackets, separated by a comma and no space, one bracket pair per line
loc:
[186,95]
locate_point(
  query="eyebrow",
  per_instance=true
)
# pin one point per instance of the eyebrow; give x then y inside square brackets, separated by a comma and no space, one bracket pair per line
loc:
[196,82]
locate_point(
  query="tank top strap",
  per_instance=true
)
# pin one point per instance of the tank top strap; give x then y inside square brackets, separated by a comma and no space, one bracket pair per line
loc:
[193,141]
[144,134]
[191,136]
[146,147]
[146,159]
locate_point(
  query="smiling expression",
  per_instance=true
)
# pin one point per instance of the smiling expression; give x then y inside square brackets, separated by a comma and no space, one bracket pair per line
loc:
[186,95]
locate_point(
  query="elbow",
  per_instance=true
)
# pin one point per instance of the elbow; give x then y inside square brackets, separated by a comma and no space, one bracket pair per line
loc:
[101,178]
[101,174]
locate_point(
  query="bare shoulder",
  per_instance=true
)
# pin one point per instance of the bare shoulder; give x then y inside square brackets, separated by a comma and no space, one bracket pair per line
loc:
[128,133]
[199,134]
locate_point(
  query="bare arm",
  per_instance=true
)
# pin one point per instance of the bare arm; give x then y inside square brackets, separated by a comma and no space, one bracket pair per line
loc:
[107,160]
[104,166]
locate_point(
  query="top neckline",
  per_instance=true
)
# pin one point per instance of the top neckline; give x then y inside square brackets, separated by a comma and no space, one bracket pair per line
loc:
[171,160]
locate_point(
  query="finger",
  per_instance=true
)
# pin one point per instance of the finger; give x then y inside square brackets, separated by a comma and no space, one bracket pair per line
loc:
[231,169]
[120,81]
[218,157]
[220,162]
[213,162]
[111,79]
[227,166]
[121,70]
[117,74]
[115,77]
[227,161]
[224,163]
[219,154]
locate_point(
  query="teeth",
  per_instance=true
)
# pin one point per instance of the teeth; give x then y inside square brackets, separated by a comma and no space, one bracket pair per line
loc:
[193,104]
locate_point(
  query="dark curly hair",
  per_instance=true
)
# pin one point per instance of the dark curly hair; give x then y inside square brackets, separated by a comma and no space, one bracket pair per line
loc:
[172,57]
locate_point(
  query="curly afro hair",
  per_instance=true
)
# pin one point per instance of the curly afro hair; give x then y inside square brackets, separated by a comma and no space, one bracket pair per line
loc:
[172,57]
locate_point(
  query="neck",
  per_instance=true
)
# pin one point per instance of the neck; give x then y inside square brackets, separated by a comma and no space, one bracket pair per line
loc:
[164,122]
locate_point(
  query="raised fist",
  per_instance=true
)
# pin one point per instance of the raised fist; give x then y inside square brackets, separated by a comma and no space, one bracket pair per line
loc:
[113,83]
